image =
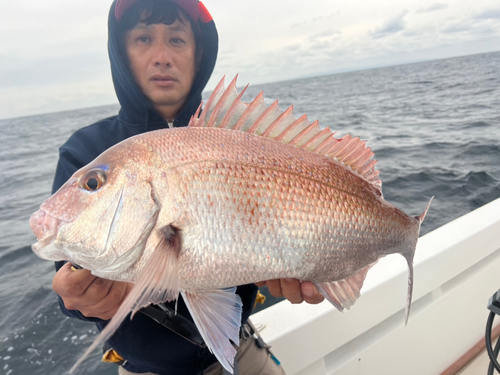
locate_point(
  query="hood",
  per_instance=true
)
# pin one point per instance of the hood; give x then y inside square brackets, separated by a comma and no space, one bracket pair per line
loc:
[135,107]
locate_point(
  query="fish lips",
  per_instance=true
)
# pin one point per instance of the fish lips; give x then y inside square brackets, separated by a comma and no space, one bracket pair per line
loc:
[46,227]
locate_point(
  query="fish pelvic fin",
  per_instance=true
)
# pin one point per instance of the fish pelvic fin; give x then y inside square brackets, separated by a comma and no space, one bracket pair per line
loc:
[157,283]
[217,314]
[343,293]
[224,109]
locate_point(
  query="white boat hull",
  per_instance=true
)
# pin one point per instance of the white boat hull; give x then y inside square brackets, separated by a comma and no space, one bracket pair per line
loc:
[457,269]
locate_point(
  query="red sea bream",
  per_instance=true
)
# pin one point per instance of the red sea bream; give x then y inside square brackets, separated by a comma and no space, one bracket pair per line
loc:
[245,193]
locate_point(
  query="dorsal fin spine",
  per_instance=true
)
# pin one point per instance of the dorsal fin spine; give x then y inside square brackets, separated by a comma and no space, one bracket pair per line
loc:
[341,146]
[210,101]
[367,167]
[231,110]
[253,129]
[351,155]
[304,133]
[354,152]
[194,118]
[310,143]
[278,122]
[327,144]
[225,109]
[366,154]
[248,111]
[222,101]
[302,119]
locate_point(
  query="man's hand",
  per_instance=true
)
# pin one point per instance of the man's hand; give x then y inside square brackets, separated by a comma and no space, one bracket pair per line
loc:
[92,296]
[293,290]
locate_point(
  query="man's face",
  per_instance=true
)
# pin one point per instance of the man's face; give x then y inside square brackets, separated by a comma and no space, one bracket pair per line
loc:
[162,60]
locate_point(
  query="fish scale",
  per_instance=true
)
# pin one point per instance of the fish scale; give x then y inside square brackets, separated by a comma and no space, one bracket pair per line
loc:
[245,193]
[237,202]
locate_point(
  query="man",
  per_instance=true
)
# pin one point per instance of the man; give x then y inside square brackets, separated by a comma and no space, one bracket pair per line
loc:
[162,54]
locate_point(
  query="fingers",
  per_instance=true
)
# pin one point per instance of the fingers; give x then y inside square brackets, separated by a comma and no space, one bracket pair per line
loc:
[91,295]
[293,290]
[71,283]
[311,293]
[109,304]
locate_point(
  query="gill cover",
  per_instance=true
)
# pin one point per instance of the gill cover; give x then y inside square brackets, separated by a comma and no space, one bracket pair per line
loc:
[110,214]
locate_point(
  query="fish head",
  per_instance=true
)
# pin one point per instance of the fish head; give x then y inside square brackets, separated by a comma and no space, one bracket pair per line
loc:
[101,217]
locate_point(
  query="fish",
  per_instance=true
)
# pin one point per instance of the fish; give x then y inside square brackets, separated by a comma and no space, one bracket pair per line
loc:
[245,193]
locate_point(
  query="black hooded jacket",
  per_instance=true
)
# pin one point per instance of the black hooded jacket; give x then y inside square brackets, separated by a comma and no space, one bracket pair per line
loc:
[146,345]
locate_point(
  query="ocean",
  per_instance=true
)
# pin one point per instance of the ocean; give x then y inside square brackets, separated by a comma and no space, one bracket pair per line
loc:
[434,127]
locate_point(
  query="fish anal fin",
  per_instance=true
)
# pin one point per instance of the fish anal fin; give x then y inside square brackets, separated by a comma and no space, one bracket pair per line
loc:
[226,110]
[343,293]
[157,283]
[217,315]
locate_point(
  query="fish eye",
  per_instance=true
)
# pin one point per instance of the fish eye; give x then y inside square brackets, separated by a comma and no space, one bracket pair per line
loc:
[93,180]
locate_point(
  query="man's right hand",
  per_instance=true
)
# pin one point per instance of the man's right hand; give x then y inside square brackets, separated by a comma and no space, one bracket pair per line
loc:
[92,296]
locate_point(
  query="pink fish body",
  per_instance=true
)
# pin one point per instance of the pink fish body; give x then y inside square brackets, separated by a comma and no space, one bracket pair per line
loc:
[246,193]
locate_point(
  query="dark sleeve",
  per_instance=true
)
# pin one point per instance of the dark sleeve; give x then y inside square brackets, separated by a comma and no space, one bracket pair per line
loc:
[66,166]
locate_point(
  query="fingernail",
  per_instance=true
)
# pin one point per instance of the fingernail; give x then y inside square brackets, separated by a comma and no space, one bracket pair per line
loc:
[289,280]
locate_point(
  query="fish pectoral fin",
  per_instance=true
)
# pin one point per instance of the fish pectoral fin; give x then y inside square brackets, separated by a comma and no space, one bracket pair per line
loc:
[343,293]
[217,315]
[157,283]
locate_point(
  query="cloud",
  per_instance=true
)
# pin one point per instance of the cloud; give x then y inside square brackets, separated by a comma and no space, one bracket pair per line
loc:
[293,47]
[391,26]
[456,27]
[468,28]
[488,14]
[432,8]
[321,44]
[316,19]
[331,32]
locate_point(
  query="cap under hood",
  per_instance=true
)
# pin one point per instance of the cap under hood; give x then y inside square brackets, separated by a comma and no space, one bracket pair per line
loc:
[135,107]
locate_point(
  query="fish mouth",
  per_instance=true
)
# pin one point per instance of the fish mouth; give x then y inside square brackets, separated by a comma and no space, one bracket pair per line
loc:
[45,227]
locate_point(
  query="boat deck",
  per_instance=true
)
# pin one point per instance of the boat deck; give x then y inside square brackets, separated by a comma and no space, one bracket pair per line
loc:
[478,366]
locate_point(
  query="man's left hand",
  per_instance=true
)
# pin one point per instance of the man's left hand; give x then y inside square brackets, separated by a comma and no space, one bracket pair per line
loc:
[294,290]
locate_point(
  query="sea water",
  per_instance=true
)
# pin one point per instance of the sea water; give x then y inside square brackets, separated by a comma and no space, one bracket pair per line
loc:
[434,127]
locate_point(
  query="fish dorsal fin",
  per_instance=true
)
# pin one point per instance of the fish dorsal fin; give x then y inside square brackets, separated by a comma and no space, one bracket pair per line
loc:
[224,109]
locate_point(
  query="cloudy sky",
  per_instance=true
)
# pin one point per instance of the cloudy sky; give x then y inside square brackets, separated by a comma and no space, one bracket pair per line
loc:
[53,53]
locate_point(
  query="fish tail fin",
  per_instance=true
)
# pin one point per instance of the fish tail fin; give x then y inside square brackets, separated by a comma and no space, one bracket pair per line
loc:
[409,258]
[410,289]
[421,217]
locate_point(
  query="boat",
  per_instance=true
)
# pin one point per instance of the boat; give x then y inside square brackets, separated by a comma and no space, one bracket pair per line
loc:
[457,270]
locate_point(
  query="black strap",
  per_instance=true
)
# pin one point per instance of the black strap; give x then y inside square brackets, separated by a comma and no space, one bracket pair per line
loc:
[168,318]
